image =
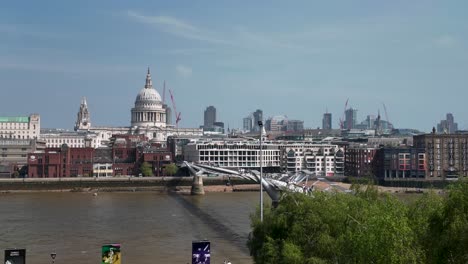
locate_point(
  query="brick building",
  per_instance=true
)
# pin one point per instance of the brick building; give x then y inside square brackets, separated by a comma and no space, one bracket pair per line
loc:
[359,161]
[446,155]
[61,162]
[400,163]
[124,156]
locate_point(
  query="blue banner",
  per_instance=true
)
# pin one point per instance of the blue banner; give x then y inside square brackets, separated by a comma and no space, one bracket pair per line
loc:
[201,252]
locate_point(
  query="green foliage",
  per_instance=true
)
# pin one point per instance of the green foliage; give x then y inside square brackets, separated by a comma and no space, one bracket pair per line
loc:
[146,169]
[449,227]
[15,174]
[366,227]
[170,169]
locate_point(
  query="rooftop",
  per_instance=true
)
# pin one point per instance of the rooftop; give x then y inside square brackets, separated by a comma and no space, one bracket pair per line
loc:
[14,119]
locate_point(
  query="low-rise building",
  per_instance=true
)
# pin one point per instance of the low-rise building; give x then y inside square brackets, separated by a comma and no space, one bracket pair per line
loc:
[400,163]
[446,155]
[359,160]
[13,155]
[237,154]
[20,127]
[321,159]
[55,138]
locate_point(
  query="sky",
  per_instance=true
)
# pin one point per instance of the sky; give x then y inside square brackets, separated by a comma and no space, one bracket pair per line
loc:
[293,58]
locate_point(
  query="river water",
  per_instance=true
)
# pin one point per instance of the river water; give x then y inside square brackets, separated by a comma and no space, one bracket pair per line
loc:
[152,228]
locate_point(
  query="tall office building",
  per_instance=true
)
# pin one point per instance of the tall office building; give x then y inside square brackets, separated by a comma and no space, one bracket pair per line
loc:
[258,116]
[448,125]
[247,123]
[209,117]
[350,118]
[327,121]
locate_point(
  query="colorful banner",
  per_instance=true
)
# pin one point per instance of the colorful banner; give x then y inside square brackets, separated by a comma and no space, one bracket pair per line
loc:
[15,256]
[111,254]
[201,252]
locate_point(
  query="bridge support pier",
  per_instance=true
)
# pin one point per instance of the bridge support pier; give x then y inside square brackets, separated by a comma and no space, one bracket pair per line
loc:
[197,186]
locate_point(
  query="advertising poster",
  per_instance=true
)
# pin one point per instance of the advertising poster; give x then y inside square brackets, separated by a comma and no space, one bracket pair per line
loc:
[201,252]
[15,256]
[111,254]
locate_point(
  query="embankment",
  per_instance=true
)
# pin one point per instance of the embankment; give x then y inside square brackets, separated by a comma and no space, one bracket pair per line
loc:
[156,184]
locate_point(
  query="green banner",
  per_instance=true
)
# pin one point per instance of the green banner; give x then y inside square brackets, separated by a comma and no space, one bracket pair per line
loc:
[111,254]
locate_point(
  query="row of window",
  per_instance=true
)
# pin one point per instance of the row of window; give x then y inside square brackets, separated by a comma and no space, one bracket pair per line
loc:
[15,136]
[14,125]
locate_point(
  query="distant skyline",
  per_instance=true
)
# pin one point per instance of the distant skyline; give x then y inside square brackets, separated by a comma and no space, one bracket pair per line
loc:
[294,58]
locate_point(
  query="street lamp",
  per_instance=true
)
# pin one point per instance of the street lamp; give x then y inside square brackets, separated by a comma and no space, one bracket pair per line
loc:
[53,255]
[260,124]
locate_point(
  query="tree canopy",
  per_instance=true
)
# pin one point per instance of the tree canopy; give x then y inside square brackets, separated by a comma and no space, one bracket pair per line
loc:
[170,169]
[146,169]
[366,227]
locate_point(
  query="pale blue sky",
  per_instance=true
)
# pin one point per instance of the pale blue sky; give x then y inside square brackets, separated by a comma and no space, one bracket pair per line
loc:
[296,58]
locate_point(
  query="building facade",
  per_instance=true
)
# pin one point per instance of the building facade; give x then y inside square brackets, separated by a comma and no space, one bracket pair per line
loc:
[295,125]
[14,154]
[20,127]
[359,161]
[447,126]
[446,155]
[400,163]
[61,162]
[124,156]
[209,117]
[320,159]
[257,116]
[327,121]
[247,124]
[350,118]
[55,138]
[233,154]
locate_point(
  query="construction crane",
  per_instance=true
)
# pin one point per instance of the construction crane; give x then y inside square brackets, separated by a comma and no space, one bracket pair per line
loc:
[342,119]
[176,114]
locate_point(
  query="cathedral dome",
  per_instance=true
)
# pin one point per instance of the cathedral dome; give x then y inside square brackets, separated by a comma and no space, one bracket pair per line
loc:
[148,96]
[149,110]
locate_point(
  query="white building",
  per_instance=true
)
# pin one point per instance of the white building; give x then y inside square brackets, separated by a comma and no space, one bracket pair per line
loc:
[233,154]
[149,117]
[20,127]
[322,159]
[55,138]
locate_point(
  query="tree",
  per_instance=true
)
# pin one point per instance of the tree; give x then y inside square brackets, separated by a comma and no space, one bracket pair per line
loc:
[146,169]
[366,227]
[335,228]
[447,238]
[170,169]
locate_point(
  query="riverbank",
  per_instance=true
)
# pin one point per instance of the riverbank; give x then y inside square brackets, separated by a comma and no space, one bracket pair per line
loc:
[124,184]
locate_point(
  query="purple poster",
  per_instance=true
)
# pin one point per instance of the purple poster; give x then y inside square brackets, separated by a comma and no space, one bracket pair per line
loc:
[201,252]
[15,256]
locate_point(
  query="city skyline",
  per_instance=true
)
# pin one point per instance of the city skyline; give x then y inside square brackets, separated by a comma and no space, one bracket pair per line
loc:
[296,60]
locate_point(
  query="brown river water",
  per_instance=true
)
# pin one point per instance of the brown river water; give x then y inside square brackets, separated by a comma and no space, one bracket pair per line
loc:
[151,228]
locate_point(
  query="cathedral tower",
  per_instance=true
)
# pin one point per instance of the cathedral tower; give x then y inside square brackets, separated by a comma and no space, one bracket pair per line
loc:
[83,121]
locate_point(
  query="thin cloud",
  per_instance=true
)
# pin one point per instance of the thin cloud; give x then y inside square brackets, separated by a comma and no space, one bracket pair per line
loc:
[176,27]
[18,30]
[65,68]
[184,71]
[446,41]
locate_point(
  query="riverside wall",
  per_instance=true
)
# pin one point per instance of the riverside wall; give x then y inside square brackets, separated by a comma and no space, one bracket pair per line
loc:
[162,184]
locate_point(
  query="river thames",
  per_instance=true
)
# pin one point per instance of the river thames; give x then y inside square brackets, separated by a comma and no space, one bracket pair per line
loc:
[152,228]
